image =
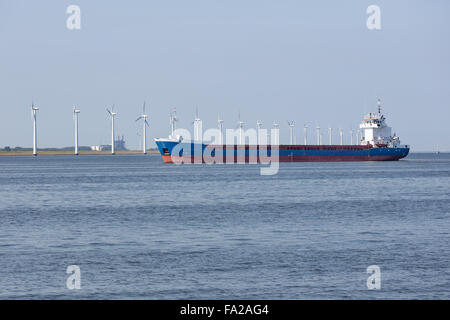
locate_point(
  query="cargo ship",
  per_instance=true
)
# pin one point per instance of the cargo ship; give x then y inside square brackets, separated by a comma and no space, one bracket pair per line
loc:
[375,143]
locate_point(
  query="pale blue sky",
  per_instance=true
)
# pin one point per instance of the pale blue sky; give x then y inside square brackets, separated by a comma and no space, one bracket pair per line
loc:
[309,61]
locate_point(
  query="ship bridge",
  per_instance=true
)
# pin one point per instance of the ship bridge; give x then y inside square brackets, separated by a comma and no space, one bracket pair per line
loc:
[376,131]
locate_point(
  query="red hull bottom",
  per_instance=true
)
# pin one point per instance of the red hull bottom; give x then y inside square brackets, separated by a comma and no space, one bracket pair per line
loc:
[192,159]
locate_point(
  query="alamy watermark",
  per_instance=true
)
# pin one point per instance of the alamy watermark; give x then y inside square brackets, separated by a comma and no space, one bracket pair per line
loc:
[374,20]
[242,146]
[73,22]
[374,280]
[74,280]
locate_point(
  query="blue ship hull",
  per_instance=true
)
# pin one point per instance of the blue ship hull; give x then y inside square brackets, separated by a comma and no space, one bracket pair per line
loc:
[188,152]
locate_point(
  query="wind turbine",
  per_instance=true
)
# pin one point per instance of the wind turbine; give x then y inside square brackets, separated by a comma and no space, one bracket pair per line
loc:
[173,120]
[220,125]
[291,132]
[258,128]
[112,114]
[33,111]
[318,135]
[341,136]
[75,118]
[305,133]
[240,124]
[351,136]
[197,127]
[276,126]
[144,132]
[330,135]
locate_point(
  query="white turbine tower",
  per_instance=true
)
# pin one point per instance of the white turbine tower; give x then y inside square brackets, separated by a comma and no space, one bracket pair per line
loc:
[276,126]
[33,111]
[291,132]
[144,117]
[240,124]
[112,114]
[198,134]
[330,135]
[318,134]
[341,137]
[173,120]
[220,126]
[75,118]
[351,136]
[258,131]
[305,134]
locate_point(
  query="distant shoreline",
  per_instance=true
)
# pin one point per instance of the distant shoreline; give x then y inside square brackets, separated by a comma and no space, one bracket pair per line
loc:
[13,153]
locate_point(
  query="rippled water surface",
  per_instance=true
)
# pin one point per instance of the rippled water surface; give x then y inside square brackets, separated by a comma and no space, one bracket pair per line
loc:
[142,229]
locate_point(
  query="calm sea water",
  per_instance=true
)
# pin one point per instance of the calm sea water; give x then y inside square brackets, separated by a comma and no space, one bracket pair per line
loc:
[138,228]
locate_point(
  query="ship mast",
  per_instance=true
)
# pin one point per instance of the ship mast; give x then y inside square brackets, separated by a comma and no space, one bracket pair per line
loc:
[173,120]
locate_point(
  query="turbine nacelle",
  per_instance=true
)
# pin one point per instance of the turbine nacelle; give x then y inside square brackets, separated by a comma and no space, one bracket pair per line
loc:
[218,119]
[33,107]
[144,116]
[259,124]
[111,113]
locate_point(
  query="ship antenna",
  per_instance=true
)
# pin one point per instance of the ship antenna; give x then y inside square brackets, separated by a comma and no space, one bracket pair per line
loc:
[379,106]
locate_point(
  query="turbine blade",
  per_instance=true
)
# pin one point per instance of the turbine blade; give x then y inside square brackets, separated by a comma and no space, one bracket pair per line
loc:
[140,117]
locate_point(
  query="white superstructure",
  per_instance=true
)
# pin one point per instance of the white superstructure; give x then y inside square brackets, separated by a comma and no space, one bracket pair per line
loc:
[376,132]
